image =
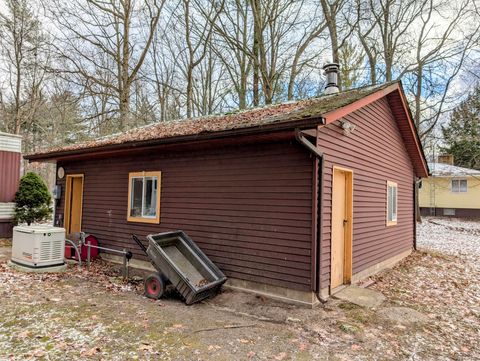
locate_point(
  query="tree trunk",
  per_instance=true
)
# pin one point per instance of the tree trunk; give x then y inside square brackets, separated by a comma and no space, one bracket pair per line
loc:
[255,50]
[329,12]
[125,76]
[189,91]
[418,96]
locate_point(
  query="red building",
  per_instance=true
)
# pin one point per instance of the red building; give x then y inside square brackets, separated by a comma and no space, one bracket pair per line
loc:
[291,200]
[10,160]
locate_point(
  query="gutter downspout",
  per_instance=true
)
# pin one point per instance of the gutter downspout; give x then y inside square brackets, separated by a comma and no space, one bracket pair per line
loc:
[416,184]
[319,155]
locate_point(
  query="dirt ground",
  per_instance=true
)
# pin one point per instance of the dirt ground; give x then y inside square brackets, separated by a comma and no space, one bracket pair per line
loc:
[94,315]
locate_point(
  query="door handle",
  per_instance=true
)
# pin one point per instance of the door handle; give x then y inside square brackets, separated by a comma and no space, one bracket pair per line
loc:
[345,221]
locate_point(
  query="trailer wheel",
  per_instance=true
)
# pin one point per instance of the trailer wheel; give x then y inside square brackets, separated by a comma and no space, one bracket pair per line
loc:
[154,286]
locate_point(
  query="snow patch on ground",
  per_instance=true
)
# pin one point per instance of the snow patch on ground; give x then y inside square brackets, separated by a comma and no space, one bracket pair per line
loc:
[450,236]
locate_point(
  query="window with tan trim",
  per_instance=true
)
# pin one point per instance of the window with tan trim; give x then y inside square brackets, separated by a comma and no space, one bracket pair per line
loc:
[144,197]
[392,198]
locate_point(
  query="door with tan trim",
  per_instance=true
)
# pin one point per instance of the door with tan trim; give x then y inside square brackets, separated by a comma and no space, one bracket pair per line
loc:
[341,250]
[73,203]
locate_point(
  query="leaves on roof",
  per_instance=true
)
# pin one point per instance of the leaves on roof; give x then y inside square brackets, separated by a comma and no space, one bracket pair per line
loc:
[312,108]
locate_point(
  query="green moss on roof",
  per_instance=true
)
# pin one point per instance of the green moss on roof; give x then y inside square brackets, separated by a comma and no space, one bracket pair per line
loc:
[255,117]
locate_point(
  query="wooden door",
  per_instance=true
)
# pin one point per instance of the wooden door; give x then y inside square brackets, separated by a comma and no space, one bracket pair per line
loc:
[73,203]
[341,251]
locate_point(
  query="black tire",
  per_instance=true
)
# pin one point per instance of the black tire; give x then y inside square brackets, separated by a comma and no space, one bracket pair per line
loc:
[154,286]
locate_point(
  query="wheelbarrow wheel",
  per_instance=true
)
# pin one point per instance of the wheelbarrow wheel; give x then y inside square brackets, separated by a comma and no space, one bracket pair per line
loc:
[154,286]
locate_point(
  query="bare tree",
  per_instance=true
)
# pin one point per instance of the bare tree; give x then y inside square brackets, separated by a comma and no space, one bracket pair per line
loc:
[197,32]
[233,30]
[394,20]
[273,25]
[164,73]
[340,26]
[310,33]
[448,49]
[111,37]
[351,60]
[365,30]
[22,47]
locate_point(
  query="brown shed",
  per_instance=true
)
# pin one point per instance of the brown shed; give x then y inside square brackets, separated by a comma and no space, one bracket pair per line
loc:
[10,160]
[290,201]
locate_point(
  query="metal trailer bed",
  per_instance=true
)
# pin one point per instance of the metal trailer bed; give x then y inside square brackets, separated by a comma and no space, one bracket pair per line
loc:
[180,261]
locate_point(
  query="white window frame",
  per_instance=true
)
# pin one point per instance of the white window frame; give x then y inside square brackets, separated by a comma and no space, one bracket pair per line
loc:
[392,217]
[459,181]
[144,218]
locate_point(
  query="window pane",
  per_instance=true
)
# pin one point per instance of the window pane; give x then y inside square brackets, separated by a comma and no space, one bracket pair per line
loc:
[463,185]
[389,195]
[150,204]
[136,197]
[455,187]
[394,203]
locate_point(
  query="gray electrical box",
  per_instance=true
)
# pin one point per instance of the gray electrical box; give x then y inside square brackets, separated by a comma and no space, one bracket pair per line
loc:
[57,192]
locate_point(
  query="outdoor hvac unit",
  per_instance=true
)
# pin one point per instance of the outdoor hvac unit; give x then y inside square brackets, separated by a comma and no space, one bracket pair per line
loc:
[38,246]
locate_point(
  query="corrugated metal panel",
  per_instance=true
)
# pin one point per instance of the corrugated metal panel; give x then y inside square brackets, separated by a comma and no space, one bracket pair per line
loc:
[6,210]
[248,207]
[9,175]
[10,143]
[376,152]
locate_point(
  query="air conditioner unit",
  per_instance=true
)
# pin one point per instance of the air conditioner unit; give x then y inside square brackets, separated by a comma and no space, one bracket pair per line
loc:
[38,246]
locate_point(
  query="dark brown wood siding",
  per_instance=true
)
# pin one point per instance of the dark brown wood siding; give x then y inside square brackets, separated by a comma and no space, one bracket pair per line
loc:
[375,151]
[248,207]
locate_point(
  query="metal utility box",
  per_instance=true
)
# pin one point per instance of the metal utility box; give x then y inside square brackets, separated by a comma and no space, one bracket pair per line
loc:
[38,246]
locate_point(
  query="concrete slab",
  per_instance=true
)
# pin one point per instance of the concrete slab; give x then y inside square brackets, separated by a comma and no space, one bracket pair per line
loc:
[53,269]
[360,296]
[402,315]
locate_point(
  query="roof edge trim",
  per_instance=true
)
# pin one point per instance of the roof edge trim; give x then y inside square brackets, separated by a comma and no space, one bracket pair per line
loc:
[349,108]
[287,125]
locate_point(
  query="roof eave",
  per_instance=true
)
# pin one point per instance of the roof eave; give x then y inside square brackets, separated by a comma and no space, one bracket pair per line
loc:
[281,126]
[394,87]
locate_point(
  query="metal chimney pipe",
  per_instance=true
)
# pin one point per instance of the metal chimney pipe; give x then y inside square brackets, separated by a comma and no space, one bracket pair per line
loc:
[331,72]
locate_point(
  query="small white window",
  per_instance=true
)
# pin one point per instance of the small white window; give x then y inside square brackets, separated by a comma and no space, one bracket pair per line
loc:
[459,185]
[392,197]
[448,211]
[144,197]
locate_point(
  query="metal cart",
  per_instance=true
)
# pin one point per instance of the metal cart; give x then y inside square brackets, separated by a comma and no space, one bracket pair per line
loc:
[180,262]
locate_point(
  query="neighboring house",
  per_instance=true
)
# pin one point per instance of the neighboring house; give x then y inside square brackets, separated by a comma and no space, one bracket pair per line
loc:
[291,200]
[450,191]
[10,160]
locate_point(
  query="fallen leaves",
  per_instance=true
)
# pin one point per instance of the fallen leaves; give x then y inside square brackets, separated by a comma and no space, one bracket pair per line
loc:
[90,352]
[280,356]
[77,315]
[145,347]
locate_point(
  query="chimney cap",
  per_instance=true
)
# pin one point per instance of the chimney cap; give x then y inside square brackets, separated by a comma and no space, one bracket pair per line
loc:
[331,72]
[328,67]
